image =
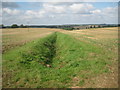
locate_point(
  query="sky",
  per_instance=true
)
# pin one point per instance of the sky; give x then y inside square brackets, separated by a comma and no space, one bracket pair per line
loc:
[58,13]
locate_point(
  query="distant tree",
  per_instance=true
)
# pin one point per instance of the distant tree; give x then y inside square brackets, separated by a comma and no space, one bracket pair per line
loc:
[14,26]
[1,26]
[118,25]
[68,28]
[21,26]
[25,26]
[90,26]
[99,26]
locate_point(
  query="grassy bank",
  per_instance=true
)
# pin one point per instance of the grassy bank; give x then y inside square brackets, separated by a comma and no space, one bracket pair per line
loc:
[57,60]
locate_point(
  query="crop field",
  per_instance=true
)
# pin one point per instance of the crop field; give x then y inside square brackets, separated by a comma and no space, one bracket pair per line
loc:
[56,58]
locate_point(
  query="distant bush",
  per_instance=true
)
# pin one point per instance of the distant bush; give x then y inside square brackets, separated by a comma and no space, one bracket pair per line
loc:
[68,28]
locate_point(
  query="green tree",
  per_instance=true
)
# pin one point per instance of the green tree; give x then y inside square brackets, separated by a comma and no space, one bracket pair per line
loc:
[14,26]
[90,26]
[21,26]
[1,26]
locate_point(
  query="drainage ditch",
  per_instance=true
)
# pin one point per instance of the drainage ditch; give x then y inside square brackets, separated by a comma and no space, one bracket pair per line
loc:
[43,52]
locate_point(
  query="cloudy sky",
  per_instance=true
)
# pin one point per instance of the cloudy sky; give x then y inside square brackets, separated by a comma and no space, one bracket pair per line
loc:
[49,13]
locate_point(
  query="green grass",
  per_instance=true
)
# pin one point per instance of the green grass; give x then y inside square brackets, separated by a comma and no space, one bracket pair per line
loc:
[26,66]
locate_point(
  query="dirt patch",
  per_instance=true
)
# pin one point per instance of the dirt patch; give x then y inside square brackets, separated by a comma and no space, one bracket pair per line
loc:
[92,37]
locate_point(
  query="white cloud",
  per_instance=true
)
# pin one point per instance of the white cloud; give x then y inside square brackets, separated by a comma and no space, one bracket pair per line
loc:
[81,8]
[110,10]
[30,12]
[10,11]
[97,11]
[34,14]
[54,8]
[61,13]
[106,15]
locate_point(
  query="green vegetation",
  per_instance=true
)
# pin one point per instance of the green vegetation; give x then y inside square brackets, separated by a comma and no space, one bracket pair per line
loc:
[67,57]
[22,26]
[43,52]
[68,28]
[1,26]
[14,26]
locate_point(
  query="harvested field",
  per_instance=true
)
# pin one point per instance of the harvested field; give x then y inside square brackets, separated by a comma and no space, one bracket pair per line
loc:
[56,58]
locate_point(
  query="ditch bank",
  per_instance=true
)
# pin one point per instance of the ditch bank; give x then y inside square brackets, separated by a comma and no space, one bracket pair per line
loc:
[61,50]
[42,52]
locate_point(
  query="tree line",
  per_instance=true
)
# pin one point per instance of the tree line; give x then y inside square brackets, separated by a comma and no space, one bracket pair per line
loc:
[14,26]
[66,27]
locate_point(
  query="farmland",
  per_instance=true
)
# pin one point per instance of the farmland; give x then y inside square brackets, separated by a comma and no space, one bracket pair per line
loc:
[56,58]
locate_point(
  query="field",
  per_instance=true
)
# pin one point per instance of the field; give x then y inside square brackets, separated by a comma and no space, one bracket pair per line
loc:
[56,58]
